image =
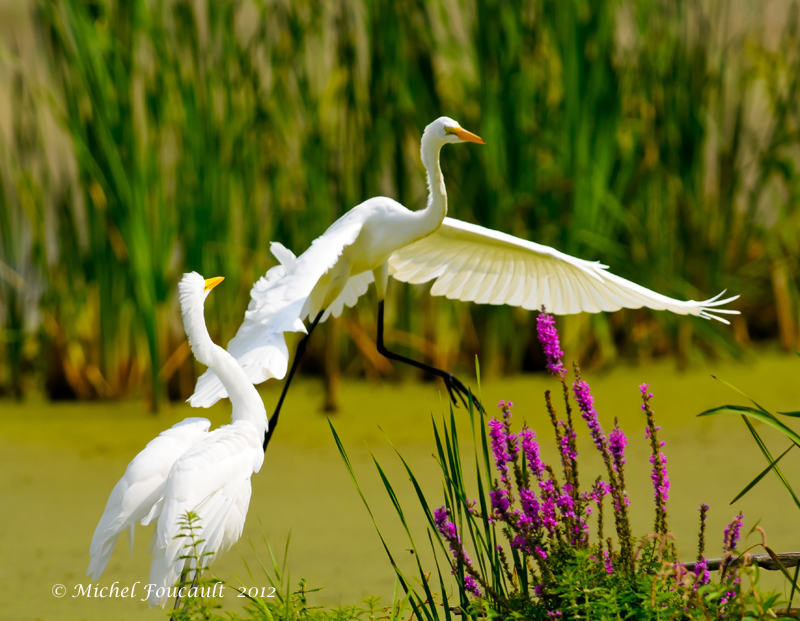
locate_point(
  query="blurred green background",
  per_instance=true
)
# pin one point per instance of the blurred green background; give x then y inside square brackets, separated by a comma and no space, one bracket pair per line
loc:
[139,140]
[144,139]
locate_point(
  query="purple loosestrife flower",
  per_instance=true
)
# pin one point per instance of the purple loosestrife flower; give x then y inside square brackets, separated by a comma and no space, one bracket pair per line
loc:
[530,508]
[659,474]
[567,505]
[448,530]
[568,452]
[600,490]
[548,506]
[511,439]
[530,448]
[548,337]
[583,396]
[580,531]
[732,533]
[500,503]
[660,480]
[609,567]
[701,572]
[471,586]
[616,445]
[499,436]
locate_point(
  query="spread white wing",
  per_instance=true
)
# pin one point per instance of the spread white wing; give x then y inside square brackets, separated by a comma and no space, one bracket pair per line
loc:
[212,479]
[356,287]
[278,305]
[475,264]
[138,492]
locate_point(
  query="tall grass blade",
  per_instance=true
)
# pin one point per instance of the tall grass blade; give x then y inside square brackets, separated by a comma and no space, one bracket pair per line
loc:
[348,465]
[764,473]
[758,414]
[768,455]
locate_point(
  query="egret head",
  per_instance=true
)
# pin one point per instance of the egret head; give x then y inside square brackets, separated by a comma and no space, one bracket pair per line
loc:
[194,287]
[444,129]
[193,290]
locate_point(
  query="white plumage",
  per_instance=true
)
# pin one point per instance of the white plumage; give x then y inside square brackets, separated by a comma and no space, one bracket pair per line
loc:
[380,237]
[475,264]
[187,468]
[140,488]
[212,479]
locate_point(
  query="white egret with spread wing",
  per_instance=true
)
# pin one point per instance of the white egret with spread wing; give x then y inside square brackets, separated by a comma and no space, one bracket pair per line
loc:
[380,237]
[189,469]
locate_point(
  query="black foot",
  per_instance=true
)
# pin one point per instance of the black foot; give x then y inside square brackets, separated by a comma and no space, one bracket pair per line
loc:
[456,387]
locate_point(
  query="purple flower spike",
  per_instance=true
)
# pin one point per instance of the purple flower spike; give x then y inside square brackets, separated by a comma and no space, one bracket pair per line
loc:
[548,337]
[616,444]
[586,404]
[568,452]
[530,507]
[500,503]
[510,438]
[471,586]
[702,574]
[548,506]
[609,567]
[530,448]
[600,490]
[448,530]
[660,480]
[440,517]
[732,533]
[497,432]
[659,474]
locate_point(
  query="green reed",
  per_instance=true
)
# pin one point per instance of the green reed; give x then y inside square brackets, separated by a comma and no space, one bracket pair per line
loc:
[198,133]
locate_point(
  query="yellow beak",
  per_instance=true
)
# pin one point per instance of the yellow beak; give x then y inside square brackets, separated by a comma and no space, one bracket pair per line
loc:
[468,136]
[213,282]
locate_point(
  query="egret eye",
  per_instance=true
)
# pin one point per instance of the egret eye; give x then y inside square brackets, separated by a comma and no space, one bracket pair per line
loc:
[451,130]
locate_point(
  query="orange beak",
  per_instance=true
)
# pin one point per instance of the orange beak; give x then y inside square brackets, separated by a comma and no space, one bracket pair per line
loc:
[213,282]
[468,136]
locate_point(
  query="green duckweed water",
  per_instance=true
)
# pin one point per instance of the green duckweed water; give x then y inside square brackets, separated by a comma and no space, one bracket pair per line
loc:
[60,462]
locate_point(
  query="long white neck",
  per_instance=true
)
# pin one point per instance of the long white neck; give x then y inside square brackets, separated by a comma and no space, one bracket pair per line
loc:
[246,402]
[430,218]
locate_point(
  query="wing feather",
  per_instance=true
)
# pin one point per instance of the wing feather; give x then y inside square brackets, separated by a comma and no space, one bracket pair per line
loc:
[277,302]
[469,262]
[356,287]
[472,268]
[137,494]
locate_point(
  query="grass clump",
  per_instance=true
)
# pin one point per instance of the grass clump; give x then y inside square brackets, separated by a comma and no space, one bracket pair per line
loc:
[201,601]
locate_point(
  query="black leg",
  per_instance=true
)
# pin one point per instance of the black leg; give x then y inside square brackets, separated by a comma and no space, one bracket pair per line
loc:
[301,349]
[453,384]
[178,598]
